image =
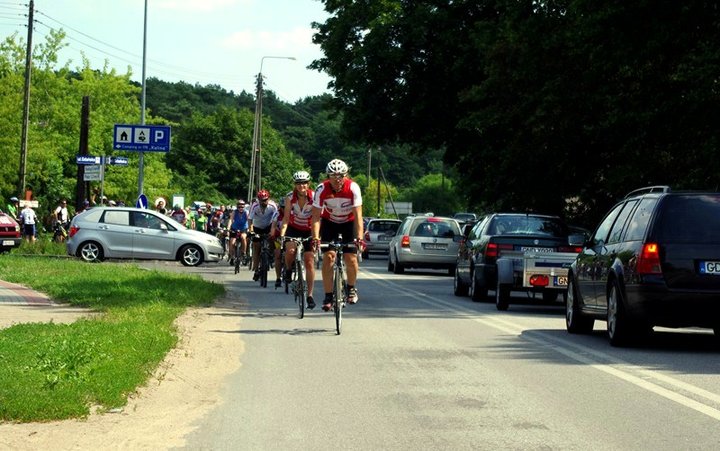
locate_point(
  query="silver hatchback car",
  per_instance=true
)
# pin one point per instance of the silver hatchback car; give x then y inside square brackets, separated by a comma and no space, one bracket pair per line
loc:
[425,242]
[135,233]
[378,233]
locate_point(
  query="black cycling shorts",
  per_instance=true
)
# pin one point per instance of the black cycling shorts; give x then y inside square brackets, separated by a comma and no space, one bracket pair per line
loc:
[330,231]
[292,232]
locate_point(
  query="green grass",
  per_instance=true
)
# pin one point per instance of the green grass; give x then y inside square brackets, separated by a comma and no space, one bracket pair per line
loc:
[42,246]
[58,371]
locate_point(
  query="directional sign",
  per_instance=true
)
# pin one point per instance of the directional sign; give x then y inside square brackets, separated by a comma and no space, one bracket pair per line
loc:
[143,138]
[141,202]
[88,159]
[119,161]
[93,172]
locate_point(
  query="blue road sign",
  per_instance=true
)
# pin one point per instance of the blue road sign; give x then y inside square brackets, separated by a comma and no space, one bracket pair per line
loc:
[119,161]
[141,202]
[142,138]
[87,159]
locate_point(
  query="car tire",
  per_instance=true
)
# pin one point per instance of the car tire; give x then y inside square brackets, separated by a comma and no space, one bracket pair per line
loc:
[575,321]
[459,288]
[91,252]
[502,297]
[397,267]
[478,292]
[191,255]
[619,327]
[391,265]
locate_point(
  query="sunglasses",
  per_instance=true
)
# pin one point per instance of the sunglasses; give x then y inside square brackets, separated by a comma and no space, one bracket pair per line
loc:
[336,176]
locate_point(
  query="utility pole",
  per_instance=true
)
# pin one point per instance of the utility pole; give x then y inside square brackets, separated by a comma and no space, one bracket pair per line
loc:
[26,103]
[369,154]
[83,187]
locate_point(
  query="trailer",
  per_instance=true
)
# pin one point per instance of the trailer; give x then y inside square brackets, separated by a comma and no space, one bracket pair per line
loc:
[532,272]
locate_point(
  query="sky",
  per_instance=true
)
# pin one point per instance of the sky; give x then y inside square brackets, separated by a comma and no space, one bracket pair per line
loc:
[208,42]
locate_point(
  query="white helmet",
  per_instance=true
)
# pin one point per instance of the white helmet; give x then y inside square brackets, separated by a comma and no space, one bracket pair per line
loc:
[336,167]
[301,176]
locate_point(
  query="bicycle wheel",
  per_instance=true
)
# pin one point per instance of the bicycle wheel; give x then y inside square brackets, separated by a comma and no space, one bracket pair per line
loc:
[238,246]
[300,290]
[264,266]
[339,295]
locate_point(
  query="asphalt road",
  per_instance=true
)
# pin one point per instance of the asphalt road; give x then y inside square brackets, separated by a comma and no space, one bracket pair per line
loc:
[418,368]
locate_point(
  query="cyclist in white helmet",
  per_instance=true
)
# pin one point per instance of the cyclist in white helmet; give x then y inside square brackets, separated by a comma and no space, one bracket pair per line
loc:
[297,223]
[337,210]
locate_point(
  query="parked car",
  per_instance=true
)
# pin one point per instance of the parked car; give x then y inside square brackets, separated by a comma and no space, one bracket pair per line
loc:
[378,233]
[654,260]
[465,218]
[10,233]
[112,232]
[424,242]
[501,234]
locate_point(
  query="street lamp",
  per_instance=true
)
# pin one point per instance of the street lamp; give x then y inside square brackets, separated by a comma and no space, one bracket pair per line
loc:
[255,160]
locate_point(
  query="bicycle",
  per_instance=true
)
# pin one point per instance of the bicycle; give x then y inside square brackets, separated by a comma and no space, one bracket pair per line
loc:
[266,256]
[340,290]
[299,280]
[238,254]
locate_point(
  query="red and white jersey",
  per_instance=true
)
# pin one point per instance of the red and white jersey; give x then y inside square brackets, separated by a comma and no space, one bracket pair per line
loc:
[338,206]
[300,217]
[260,218]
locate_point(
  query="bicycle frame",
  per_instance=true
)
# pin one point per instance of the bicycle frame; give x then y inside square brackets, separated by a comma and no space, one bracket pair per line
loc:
[339,281]
[299,282]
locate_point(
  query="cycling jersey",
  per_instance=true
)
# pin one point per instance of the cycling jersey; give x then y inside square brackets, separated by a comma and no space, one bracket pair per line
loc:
[262,219]
[300,217]
[338,206]
[239,221]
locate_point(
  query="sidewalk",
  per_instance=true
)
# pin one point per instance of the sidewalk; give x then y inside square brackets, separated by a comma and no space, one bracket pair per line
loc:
[20,304]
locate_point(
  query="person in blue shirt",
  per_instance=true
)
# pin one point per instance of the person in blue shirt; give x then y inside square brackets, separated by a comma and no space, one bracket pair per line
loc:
[238,225]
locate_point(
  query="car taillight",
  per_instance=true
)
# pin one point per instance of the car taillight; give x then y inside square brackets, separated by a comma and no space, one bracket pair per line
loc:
[539,280]
[573,249]
[367,236]
[493,249]
[648,261]
[405,242]
[73,231]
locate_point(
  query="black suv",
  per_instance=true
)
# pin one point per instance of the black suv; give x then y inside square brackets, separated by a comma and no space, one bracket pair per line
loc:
[654,260]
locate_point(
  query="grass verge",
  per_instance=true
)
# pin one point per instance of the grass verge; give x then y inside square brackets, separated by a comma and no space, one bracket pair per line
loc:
[58,371]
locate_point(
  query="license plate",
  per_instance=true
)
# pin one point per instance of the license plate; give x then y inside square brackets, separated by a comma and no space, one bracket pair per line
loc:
[537,250]
[383,238]
[561,281]
[435,247]
[710,267]
[8,242]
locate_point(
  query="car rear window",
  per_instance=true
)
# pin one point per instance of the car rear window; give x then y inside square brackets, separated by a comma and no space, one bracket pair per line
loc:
[689,219]
[435,227]
[528,225]
[383,226]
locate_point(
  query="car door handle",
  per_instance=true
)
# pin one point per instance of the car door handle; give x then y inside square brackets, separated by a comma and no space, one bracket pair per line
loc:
[103,227]
[140,230]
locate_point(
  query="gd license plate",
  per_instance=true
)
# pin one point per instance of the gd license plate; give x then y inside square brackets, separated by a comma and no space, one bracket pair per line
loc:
[383,238]
[436,247]
[710,267]
[8,242]
[561,281]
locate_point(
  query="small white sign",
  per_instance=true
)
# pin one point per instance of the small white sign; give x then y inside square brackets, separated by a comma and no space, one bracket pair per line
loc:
[93,173]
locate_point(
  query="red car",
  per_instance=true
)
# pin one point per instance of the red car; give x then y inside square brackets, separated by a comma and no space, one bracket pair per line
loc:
[10,234]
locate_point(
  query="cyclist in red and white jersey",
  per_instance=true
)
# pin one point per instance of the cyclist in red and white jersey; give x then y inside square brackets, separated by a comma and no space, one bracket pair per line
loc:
[260,218]
[337,210]
[297,223]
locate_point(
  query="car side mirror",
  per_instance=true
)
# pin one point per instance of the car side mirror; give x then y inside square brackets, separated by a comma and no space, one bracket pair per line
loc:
[163,227]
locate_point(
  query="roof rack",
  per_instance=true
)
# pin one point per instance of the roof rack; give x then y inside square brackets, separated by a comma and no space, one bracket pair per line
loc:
[648,190]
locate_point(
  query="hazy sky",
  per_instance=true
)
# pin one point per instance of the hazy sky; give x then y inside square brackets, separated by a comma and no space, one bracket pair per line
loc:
[220,42]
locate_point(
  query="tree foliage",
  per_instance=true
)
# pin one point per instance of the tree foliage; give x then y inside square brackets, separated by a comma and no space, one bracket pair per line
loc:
[537,104]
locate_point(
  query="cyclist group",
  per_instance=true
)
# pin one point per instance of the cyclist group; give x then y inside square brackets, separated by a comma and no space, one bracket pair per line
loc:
[331,211]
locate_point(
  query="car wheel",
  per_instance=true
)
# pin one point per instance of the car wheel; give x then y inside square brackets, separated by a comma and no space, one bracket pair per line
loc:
[621,329]
[502,296]
[90,251]
[398,268]
[575,321]
[459,288]
[391,265]
[191,255]
[477,292]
